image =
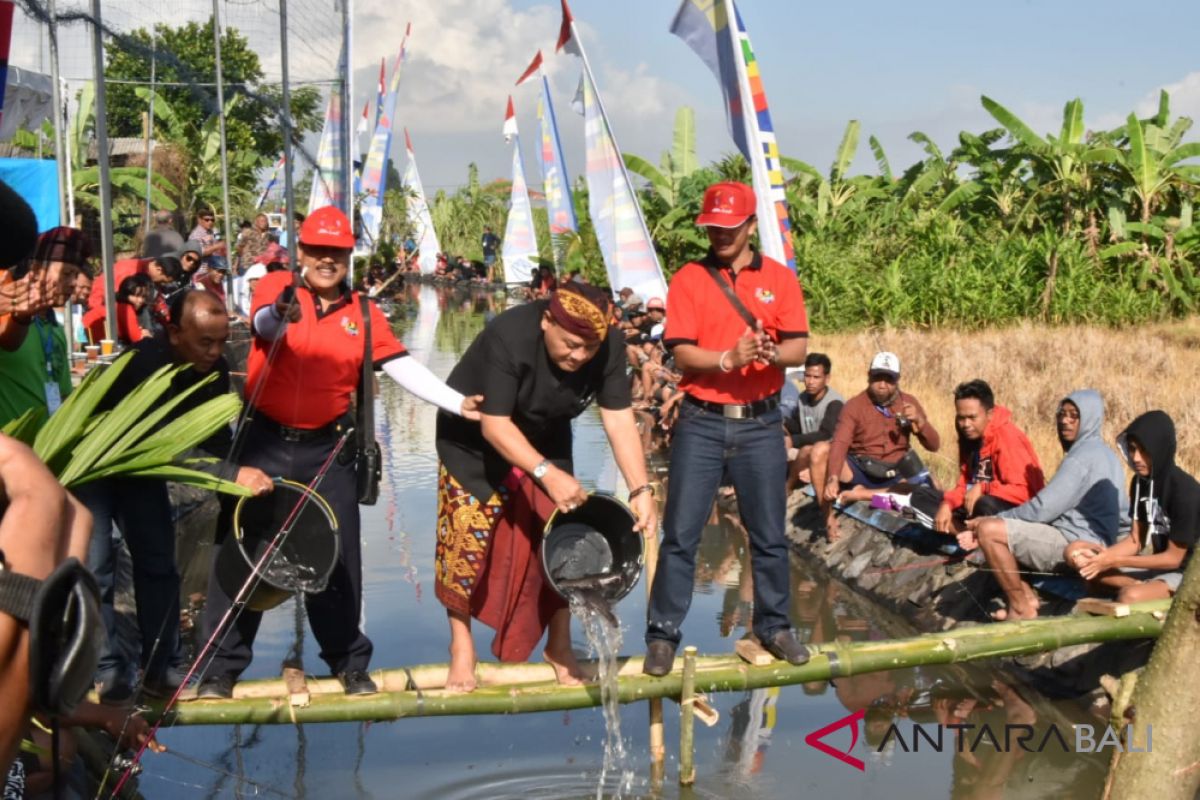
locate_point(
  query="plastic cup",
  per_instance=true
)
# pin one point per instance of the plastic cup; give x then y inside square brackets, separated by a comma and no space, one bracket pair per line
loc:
[106,347]
[93,352]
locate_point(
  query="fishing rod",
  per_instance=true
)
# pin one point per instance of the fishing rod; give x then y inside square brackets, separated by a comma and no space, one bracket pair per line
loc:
[238,605]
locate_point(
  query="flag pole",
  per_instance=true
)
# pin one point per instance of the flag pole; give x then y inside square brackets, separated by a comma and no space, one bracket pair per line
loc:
[224,155]
[105,188]
[288,188]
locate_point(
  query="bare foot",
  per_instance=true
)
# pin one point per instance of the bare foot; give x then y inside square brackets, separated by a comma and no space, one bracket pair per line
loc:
[566,667]
[461,677]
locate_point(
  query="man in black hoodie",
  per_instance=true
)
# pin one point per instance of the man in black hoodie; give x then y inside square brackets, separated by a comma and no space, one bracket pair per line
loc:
[1165,505]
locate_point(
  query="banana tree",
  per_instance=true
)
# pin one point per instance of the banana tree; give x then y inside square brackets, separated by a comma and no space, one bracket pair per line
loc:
[677,163]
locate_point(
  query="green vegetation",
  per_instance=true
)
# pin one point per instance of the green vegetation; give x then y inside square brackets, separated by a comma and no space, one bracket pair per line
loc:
[80,444]
[1075,227]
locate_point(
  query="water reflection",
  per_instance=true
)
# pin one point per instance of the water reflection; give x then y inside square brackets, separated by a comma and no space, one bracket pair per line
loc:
[757,750]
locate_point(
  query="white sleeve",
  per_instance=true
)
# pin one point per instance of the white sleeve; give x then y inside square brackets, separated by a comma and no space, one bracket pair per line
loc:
[268,324]
[416,378]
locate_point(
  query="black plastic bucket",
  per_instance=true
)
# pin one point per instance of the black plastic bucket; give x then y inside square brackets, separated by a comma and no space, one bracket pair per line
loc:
[596,540]
[302,562]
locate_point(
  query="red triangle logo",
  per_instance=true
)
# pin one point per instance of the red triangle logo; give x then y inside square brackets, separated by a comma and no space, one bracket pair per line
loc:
[814,740]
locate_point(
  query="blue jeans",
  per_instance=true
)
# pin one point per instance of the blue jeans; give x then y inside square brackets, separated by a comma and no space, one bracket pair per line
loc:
[140,512]
[706,446]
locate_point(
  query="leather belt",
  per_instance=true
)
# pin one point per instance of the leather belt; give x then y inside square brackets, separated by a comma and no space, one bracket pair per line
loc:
[735,410]
[300,434]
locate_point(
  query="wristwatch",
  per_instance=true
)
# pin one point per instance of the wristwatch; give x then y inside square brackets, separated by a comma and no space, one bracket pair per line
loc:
[541,469]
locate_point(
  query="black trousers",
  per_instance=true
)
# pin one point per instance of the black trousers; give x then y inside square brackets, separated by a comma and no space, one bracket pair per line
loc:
[927,500]
[334,614]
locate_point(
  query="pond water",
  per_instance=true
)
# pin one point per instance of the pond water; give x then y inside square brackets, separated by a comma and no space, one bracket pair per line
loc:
[756,750]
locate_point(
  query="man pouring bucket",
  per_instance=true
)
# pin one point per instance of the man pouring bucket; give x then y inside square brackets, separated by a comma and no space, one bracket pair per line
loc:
[538,366]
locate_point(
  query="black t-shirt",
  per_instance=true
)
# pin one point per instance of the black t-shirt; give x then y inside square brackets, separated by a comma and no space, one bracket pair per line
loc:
[508,364]
[1176,516]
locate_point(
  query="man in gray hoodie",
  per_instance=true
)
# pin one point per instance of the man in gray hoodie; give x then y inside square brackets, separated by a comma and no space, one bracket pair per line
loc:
[1083,502]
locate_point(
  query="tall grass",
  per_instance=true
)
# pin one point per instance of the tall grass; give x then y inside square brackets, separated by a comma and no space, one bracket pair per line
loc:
[1031,367]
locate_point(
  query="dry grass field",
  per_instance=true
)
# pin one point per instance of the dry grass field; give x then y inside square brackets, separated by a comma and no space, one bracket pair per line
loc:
[1031,367]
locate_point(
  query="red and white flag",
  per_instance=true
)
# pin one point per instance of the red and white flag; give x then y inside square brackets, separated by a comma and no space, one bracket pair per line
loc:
[566,34]
[510,122]
[533,67]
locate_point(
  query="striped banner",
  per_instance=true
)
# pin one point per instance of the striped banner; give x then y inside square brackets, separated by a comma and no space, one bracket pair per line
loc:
[270,183]
[419,219]
[704,26]
[519,252]
[329,176]
[629,255]
[374,179]
[560,206]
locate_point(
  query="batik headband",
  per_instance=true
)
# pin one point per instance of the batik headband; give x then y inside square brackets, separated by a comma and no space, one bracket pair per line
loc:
[579,314]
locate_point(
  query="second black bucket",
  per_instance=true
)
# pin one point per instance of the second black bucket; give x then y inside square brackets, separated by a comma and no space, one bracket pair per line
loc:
[594,543]
[304,559]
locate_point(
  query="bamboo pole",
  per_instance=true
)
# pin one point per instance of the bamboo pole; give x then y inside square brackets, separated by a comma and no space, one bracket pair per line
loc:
[713,674]
[687,719]
[657,745]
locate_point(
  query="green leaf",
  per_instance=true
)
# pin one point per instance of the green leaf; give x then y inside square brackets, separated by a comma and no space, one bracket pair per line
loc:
[963,194]
[640,166]
[845,152]
[181,474]
[1116,221]
[1164,109]
[25,427]
[60,433]
[1139,165]
[1146,229]
[1072,127]
[147,419]
[1119,249]
[798,167]
[1013,124]
[683,148]
[881,159]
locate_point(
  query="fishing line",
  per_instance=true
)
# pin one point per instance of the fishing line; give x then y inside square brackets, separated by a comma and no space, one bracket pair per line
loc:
[238,605]
[224,773]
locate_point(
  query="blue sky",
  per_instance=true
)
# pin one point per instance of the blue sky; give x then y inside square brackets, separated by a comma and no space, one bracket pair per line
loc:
[895,66]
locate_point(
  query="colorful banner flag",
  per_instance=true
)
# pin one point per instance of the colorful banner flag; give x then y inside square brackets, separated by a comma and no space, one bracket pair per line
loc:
[329,176]
[374,179]
[519,252]
[270,183]
[560,206]
[381,89]
[625,243]
[704,26]
[419,218]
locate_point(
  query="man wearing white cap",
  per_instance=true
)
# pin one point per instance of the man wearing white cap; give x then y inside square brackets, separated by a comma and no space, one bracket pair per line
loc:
[871,447]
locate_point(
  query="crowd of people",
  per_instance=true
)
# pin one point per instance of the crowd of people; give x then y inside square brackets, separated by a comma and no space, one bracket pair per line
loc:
[717,375]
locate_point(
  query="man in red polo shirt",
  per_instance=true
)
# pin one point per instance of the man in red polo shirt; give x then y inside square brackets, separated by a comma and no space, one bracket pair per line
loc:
[732,354]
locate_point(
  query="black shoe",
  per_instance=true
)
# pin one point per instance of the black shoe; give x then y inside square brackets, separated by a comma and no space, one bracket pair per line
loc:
[786,647]
[115,690]
[165,685]
[216,687]
[357,681]
[660,658]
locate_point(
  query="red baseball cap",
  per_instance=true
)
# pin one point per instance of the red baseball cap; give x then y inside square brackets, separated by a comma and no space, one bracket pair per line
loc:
[327,227]
[727,205]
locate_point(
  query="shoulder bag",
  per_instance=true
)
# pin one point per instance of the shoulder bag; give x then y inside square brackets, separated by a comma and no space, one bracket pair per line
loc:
[368,461]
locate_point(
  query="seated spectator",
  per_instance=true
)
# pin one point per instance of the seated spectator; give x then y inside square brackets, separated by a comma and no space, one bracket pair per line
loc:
[134,300]
[1082,502]
[810,415]
[656,311]
[871,447]
[627,298]
[1165,505]
[997,466]
[544,283]
[165,272]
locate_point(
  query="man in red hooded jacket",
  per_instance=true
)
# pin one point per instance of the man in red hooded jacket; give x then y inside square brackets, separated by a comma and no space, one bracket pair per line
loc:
[998,468]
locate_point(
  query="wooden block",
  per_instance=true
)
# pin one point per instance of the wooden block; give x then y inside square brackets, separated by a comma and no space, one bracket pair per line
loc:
[296,685]
[1101,608]
[751,651]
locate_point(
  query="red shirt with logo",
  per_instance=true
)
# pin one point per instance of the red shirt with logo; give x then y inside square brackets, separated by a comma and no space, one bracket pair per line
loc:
[314,370]
[699,313]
